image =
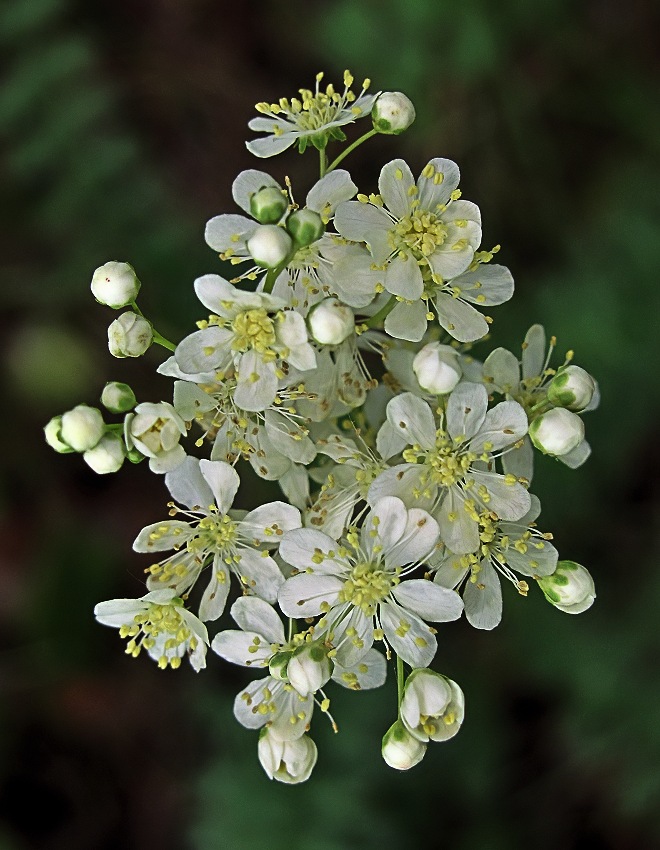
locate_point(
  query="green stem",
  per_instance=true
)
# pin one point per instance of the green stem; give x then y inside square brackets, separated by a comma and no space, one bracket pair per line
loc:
[382,314]
[400,676]
[323,162]
[159,339]
[350,149]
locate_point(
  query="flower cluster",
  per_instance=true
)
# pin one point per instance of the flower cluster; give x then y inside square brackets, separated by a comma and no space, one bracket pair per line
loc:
[337,362]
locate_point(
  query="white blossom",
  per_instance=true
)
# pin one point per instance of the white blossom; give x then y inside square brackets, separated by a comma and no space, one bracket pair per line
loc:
[118,397]
[53,435]
[432,707]
[287,761]
[155,431]
[570,588]
[331,322]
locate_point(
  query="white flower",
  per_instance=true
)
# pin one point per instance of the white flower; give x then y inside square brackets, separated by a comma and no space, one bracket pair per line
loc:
[155,430]
[309,668]
[392,113]
[287,761]
[214,537]
[82,428]
[276,704]
[400,749]
[447,468]
[249,332]
[504,548]
[437,368]
[572,387]
[432,707]
[159,623]
[53,434]
[557,432]
[115,284]
[314,117]
[570,588]
[331,322]
[107,455]
[269,245]
[129,335]
[118,397]
[357,585]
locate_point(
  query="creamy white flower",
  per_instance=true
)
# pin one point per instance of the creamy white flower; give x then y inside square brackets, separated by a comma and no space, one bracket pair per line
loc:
[432,707]
[358,585]
[155,431]
[159,623]
[129,335]
[392,113]
[447,463]
[269,245]
[82,428]
[287,761]
[400,749]
[505,548]
[572,387]
[557,432]
[312,118]
[331,322]
[437,368]
[212,536]
[107,455]
[115,284]
[570,588]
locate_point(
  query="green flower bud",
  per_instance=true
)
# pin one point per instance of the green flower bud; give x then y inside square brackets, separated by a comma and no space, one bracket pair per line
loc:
[117,397]
[107,455]
[392,113]
[268,205]
[53,434]
[557,432]
[570,588]
[269,246]
[305,226]
[400,749]
[115,284]
[572,387]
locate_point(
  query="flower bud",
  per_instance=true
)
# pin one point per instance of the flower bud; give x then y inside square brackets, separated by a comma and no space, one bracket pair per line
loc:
[572,387]
[269,246]
[268,205]
[82,428]
[155,430]
[557,432]
[278,664]
[392,113]
[400,749]
[305,226]
[115,284]
[287,761]
[432,707]
[437,368]
[53,434]
[309,669]
[107,455]
[331,322]
[117,397]
[570,588]
[129,335]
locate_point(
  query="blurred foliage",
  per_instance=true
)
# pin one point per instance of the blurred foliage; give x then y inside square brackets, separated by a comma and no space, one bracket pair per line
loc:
[122,127]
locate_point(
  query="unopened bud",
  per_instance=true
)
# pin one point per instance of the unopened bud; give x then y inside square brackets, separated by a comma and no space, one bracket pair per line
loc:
[269,246]
[53,434]
[437,368]
[557,432]
[331,322]
[268,205]
[278,664]
[432,707]
[82,427]
[570,588]
[392,113]
[129,335]
[309,669]
[115,284]
[400,749]
[287,761]
[572,387]
[117,397]
[305,226]
[107,455]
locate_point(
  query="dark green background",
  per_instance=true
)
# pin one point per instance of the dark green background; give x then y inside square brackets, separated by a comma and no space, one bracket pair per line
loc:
[121,128]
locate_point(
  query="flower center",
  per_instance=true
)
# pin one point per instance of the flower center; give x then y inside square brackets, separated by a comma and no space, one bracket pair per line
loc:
[214,532]
[446,465]
[162,623]
[418,233]
[253,329]
[367,586]
[151,437]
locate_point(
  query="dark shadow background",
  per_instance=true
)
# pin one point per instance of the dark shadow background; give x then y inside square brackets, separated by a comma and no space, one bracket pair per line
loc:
[122,125]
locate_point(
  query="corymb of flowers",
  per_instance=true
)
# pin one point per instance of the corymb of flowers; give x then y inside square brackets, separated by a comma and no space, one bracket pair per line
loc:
[334,355]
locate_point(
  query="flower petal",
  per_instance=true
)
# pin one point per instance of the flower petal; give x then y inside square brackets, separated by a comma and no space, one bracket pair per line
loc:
[384,525]
[436,183]
[259,574]
[508,501]
[256,385]
[204,351]
[369,672]
[229,232]
[300,549]
[330,191]
[248,649]
[534,352]
[483,598]
[267,523]
[162,536]
[413,419]
[247,183]
[407,321]
[417,541]
[214,599]
[303,595]
[428,600]
[395,184]
[403,277]
[408,635]
[460,319]
[466,410]
[505,424]
[188,486]
[271,145]
[254,615]
[487,285]
[223,480]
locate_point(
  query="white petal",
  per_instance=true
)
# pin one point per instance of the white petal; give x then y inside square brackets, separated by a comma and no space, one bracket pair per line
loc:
[417,541]
[407,321]
[413,418]
[330,191]
[352,637]
[577,456]
[289,438]
[458,531]
[303,595]
[247,183]
[254,615]
[519,461]
[303,357]
[540,559]
[394,184]
[268,522]
[408,635]
[119,612]
[403,277]
[486,285]
[162,536]
[505,424]
[204,351]
[225,232]
[508,501]
[534,352]
[353,278]
[450,572]
[260,575]
[214,292]
[298,547]
[223,481]
[428,600]
[502,370]
[384,525]
[435,191]
[390,440]
[271,145]
[402,481]
[449,262]
[215,595]
[483,598]
[369,672]
[365,223]
[466,410]
[188,487]
[190,400]
[257,382]
[248,649]
[461,320]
